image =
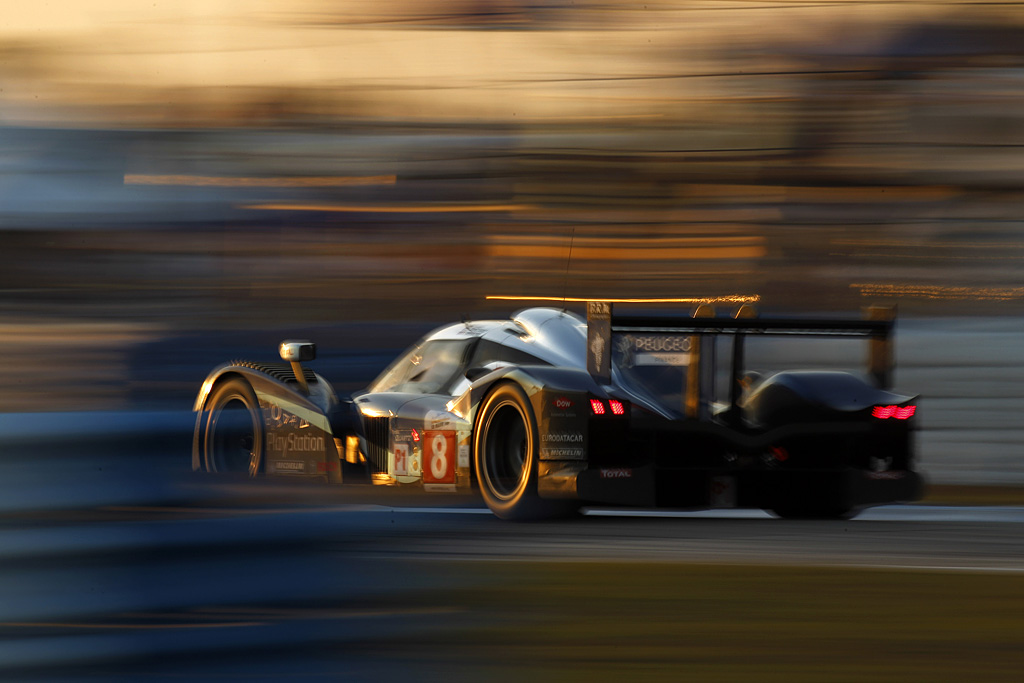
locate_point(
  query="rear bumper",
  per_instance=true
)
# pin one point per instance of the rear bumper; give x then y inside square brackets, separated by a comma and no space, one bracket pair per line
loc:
[767,489]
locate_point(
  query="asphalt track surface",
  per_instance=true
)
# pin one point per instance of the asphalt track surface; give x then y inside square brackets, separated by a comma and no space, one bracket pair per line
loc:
[229,579]
[394,523]
[116,567]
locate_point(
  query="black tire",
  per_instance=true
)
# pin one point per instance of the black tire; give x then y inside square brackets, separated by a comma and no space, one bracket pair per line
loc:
[233,432]
[505,452]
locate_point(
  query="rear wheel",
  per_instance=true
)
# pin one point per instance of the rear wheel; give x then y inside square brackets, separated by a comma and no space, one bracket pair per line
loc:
[233,435]
[505,448]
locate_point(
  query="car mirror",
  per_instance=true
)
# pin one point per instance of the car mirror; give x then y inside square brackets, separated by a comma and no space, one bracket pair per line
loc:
[297,351]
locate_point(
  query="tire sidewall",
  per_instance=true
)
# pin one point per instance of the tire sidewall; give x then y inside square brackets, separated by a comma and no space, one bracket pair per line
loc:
[522,502]
[234,389]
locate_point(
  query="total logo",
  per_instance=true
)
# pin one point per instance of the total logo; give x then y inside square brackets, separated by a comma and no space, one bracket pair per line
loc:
[562,403]
[617,473]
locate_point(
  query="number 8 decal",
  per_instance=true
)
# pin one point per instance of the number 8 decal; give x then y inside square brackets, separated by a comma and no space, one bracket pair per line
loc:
[441,445]
[438,459]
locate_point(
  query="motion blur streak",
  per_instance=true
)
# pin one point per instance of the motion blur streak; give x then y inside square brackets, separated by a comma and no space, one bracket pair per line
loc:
[174,170]
[427,208]
[942,293]
[214,181]
[627,252]
[182,183]
[734,299]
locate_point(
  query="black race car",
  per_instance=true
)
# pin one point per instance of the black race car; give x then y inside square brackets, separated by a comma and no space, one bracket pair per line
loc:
[548,411]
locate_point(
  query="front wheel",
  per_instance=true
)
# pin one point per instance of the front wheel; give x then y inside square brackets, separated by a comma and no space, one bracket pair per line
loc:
[505,448]
[233,435]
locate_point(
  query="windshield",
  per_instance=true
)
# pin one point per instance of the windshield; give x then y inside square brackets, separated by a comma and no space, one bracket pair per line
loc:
[428,368]
[654,365]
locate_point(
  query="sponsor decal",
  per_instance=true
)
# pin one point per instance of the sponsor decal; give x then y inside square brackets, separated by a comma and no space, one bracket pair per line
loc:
[280,412]
[562,454]
[561,406]
[654,350]
[599,334]
[464,455]
[562,438]
[439,450]
[401,463]
[673,359]
[675,344]
[290,466]
[437,421]
[616,473]
[275,416]
[295,443]
[635,350]
[597,351]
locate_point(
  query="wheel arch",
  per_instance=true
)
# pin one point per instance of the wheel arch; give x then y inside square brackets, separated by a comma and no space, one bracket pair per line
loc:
[509,485]
[542,385]
[316,406]
[213,381]
[535,380]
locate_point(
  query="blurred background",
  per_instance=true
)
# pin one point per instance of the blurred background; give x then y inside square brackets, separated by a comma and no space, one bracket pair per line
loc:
[182,183]
[172,172]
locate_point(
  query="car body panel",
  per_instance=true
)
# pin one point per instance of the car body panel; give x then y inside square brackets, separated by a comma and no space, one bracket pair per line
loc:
[790,436]
[298,434]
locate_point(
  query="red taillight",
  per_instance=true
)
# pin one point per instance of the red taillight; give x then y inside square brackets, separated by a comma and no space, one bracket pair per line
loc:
[905,412]
[611,406]
[415,435]
[896,412]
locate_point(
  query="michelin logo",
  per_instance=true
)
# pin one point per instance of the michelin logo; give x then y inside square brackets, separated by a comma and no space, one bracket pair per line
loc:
[562,454]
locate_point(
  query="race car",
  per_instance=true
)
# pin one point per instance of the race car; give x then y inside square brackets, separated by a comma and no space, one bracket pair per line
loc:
[548,412]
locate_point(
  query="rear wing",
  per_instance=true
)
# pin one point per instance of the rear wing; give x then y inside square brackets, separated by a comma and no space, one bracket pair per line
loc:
[876,327]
